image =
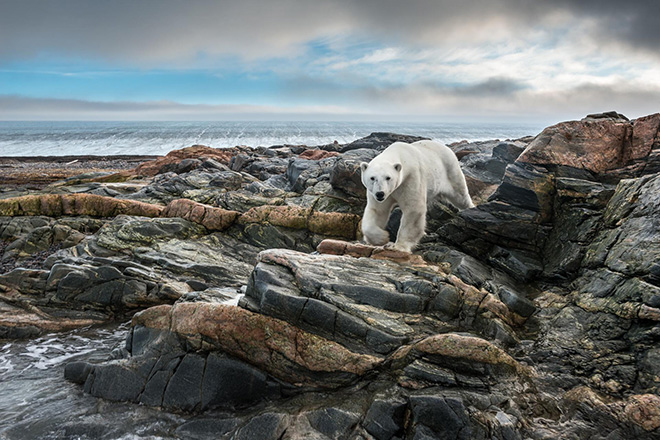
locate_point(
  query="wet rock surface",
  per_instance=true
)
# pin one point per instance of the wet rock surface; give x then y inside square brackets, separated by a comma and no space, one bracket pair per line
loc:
[257,313]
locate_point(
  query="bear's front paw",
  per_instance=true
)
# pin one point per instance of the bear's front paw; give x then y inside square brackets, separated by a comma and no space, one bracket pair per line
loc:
[376,236]
[399,247]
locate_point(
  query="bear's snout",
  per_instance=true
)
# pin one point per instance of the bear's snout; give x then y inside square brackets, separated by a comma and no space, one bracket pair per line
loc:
[380,196]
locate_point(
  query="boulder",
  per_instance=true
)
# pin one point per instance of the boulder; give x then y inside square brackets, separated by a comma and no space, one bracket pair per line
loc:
[645,137]
[346,175]
[379,141]
[181,160]
[596,144]
[317,154]
[644,410]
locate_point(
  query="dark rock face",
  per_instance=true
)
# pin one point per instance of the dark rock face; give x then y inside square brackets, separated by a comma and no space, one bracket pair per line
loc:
[160,376]
[533,315]
[385,418]
[379,141]
[517,231]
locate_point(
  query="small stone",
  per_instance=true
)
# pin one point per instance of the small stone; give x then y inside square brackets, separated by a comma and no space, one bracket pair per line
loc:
[644,410]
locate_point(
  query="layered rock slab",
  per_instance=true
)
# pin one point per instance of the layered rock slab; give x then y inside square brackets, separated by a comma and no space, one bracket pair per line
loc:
[376,305]
[197,355]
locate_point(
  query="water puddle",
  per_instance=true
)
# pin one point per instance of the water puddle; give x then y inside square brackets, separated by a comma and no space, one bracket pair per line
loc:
[37,403]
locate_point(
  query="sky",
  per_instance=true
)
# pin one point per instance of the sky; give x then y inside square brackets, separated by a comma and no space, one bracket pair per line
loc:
[413,60]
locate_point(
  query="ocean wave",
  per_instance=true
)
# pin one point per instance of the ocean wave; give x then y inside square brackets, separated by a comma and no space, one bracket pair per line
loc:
[158,138]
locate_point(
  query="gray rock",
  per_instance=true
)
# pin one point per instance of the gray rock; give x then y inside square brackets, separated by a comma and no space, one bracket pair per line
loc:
[267,426]
[346,175]
[205,428]
[115,381]
[332,422]
[379,141]
[303,173]
[385,419]
[185,386]
[229,383]
[440,417]
[516,302]
[77,372]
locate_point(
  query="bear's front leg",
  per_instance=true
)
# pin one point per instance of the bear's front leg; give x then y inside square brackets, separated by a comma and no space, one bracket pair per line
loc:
[374,221]
[411,230]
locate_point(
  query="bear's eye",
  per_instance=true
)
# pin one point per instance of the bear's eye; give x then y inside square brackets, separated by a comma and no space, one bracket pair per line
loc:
[373,178]
[388,178]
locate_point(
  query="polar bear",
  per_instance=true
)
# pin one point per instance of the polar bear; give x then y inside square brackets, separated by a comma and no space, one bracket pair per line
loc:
[409,176]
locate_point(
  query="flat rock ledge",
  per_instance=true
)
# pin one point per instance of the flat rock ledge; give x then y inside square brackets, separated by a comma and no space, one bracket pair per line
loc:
[212,218]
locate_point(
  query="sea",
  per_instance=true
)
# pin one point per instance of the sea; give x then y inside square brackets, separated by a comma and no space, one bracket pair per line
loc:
[158,138]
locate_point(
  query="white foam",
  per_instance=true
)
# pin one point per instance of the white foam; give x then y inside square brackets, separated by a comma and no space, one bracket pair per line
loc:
[116,138]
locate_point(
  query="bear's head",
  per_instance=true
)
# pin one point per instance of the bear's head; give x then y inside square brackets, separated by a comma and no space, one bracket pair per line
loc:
[380,178]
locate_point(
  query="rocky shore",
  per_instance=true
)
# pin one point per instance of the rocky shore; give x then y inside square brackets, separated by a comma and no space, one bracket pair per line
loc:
[21,174]
[256,310]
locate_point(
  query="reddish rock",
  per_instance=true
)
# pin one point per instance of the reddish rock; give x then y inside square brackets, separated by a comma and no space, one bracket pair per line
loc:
[325,223]
[275,346]
[645,137]
[338,247]
[479,191]
[154,167]
[288,216]
[640,409]
[214,219]
[55,205]
[644,410]
[383,253]
[485,302]
[317,154]
[596,145]
[336,224]
[19,322]
[469,348]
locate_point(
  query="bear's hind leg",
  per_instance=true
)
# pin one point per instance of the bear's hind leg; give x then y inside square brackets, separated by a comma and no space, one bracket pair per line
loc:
[461,199]
[459,196]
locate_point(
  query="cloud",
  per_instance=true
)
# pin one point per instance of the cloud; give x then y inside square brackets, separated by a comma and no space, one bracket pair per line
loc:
[513,57]
[160,32]
[632,23]
[172,32]
[20,108]
[512,100]
[497,98]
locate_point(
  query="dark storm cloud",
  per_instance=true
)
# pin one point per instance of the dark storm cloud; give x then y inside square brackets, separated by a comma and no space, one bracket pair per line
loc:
[491,87]
[634,23]
[157,31]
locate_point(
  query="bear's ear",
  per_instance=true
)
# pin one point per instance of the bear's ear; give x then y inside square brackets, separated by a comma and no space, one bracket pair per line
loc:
[363,166]
[397,166]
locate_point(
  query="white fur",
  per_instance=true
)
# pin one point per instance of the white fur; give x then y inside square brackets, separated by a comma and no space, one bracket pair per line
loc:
[417,173]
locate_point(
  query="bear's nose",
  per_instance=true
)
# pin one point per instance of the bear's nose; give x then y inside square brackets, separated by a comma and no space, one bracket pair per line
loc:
[380,195]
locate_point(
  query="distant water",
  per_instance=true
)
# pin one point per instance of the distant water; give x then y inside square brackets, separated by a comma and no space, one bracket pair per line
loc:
[158,138]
